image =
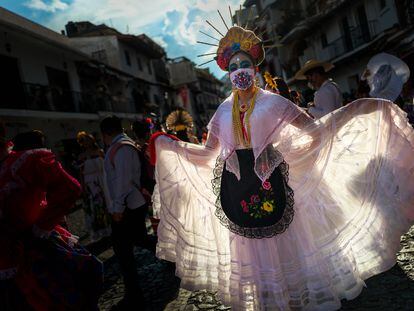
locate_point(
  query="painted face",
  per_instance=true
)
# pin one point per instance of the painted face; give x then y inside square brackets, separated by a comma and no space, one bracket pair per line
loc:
[241,70]
[239,61]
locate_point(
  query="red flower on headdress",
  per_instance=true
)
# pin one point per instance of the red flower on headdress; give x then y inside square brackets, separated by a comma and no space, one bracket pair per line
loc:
[223,62]
[256,51]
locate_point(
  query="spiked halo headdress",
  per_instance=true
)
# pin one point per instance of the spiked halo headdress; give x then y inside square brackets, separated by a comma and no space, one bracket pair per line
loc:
[237,39]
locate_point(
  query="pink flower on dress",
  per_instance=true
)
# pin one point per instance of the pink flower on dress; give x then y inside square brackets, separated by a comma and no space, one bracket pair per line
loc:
[254,198]
[245,209]
[243,203]
[266,185]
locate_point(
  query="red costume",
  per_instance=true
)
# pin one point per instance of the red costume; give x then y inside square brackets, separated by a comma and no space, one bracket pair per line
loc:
[35,191]
[35,194]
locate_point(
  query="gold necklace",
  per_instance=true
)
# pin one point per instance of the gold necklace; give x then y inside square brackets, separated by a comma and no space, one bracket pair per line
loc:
[237,124]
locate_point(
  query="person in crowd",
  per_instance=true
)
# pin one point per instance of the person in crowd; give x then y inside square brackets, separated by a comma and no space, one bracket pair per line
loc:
[296,97]
[180,123]
[142,130]
[42,267]
[96,196]
[328,96]
[128,206]
[363,89]
[279,211]
[386,76]
[4,145]
[277,85]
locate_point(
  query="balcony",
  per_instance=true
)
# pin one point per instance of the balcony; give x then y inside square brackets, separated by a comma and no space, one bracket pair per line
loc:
[289,20]
[323,6]
[355,38]
[46,98]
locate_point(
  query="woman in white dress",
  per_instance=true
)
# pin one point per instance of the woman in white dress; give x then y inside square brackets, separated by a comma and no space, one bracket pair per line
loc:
[277,211]
[94,187]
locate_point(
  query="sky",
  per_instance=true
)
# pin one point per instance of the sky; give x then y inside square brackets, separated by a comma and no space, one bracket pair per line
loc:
[174,24]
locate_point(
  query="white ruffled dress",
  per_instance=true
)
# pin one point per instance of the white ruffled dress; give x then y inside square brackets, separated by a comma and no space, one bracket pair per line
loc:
[353,179]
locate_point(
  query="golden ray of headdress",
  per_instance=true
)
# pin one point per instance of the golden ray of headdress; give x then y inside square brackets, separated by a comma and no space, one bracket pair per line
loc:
[224,22]
[206,43]
[231,16]
[273,46]
[210,36]
[207,54]
[248,17]
[211,60]
[214,28]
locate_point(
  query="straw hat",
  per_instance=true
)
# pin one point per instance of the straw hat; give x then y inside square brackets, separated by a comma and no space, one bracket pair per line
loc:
[386,75]
[311,64]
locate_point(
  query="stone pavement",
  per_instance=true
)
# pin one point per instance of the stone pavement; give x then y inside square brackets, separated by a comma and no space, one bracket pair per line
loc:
[391,290]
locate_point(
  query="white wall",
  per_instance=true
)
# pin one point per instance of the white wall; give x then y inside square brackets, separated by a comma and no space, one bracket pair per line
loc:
[34,56]
[89,45]
[134,69]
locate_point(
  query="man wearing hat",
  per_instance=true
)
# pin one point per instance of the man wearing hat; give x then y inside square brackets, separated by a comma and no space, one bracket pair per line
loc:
[328,96]
[386,75]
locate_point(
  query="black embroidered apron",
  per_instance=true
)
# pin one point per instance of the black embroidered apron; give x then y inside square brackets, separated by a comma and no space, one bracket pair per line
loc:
[249,207]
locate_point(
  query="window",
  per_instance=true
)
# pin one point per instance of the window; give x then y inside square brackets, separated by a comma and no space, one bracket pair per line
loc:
[100,55]
[324,40]
[149,68]
[127,58]
[139,64]
[382,4]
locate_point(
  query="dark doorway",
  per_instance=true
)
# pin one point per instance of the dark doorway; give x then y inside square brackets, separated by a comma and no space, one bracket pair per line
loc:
[363,24]
[60,89]
[11,86]
[346,35]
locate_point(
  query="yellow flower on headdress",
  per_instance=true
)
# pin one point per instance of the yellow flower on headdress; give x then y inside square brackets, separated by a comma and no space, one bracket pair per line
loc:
[267,206]
[246,45]
[270,80]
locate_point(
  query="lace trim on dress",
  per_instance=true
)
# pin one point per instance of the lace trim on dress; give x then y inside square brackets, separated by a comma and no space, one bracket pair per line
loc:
[261,232]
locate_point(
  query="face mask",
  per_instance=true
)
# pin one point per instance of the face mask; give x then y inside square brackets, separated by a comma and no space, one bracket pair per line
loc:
[242,78]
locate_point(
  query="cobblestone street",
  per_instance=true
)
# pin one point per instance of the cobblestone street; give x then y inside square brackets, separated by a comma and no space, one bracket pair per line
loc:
[391,290]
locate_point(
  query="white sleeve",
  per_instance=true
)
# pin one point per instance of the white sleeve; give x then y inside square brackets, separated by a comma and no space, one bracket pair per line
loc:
[325,102]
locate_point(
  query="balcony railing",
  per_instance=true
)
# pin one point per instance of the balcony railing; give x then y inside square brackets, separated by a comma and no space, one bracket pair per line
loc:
[356,37]
[322,6]
[47,98]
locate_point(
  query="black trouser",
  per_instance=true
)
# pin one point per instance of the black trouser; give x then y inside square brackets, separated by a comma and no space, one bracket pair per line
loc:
[127,233]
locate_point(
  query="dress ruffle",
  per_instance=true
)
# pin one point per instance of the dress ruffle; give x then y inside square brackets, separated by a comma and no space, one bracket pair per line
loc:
[354,198]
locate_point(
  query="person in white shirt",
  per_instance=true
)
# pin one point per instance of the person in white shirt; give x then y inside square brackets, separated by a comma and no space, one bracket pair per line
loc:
[128,207]
[328,96]
[386,75]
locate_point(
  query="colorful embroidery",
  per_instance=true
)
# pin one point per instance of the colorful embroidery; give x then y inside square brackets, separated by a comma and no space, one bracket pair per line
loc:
[260,206]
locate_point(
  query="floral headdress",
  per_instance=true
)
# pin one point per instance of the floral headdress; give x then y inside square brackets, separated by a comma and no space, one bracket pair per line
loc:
[179,120]
[82,137]
[237,39]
